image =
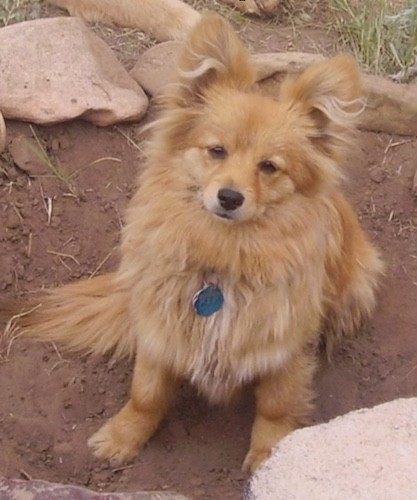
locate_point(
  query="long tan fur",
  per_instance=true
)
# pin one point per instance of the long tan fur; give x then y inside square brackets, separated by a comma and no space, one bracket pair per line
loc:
[289,256]
[163,19]
[96,317]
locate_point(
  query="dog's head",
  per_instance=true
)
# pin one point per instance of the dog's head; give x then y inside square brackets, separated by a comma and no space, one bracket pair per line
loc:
[243,153]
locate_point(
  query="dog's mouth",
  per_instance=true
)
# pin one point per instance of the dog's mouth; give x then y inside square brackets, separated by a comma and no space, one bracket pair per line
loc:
[224,215]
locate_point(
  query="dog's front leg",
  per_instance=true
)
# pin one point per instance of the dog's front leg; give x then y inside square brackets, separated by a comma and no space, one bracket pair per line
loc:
[283,402]
[124,434]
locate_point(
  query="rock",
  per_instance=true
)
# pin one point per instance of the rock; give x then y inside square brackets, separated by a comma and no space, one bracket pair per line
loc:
[41,490]
[58,70]
[390,107]
[156,67]
[377,175]
[269,63]
[27,155]
[12,221]
[368,453]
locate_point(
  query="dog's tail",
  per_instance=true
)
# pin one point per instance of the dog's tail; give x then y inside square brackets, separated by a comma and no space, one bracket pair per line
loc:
[90,316]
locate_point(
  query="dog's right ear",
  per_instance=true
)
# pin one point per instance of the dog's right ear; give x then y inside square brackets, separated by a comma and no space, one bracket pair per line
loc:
[212,55]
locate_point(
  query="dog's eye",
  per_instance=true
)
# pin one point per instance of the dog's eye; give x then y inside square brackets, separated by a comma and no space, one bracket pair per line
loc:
[268,167]
[217,152]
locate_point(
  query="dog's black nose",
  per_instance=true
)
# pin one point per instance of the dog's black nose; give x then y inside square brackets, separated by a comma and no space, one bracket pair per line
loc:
[230,199]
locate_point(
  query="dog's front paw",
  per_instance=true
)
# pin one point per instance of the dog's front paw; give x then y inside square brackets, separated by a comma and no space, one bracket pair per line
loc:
[108,443]
[254,458]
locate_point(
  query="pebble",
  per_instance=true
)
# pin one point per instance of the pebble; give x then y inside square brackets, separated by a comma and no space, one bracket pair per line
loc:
[377,175]
[25,153]
[12,221]
[55,145]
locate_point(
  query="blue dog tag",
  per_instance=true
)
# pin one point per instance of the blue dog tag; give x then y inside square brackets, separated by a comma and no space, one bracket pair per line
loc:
[208,300]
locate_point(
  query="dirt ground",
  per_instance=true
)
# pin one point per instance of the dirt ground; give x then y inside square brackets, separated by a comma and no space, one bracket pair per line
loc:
[55,228]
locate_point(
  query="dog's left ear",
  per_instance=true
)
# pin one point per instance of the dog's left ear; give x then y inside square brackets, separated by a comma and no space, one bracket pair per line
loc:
[212,55]
[329,93]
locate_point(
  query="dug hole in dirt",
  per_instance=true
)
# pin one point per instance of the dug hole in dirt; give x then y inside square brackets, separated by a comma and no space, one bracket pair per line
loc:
[63,225]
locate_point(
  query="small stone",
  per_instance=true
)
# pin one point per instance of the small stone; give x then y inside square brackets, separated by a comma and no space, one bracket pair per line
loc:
[26,155]
[55,146]
[377,175]
[12,221]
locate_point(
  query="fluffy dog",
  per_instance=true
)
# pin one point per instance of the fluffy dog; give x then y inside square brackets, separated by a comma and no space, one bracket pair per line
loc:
[163,19]
[238,254]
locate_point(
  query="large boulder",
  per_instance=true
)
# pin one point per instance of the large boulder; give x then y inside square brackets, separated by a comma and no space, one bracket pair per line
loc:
[368,453]
[56,69]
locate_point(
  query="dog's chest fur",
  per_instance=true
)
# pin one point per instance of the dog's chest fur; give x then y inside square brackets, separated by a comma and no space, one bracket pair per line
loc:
[248,336]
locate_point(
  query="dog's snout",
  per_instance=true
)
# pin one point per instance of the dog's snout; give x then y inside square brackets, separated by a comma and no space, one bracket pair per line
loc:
[230,199]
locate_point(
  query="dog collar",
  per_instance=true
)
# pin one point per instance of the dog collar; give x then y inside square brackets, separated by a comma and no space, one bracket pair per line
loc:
[208,300]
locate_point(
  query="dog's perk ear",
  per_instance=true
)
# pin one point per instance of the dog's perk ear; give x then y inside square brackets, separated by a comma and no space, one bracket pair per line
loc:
[329,93]
[212,54]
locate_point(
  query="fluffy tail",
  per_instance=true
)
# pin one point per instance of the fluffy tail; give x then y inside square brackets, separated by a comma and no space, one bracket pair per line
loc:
[90,316]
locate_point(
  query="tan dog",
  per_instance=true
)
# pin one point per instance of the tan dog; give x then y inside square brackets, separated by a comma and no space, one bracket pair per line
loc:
[163,19]
[238,250]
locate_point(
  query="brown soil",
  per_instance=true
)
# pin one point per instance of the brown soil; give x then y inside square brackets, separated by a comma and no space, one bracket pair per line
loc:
[54,229]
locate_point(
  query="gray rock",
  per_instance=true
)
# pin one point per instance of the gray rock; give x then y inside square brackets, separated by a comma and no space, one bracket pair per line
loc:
[390,107]
[56,69]
[156,67]
[15,489]
[366,454]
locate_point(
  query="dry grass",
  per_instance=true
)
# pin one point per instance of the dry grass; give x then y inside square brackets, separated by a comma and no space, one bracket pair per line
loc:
[382,36]
[15,11]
